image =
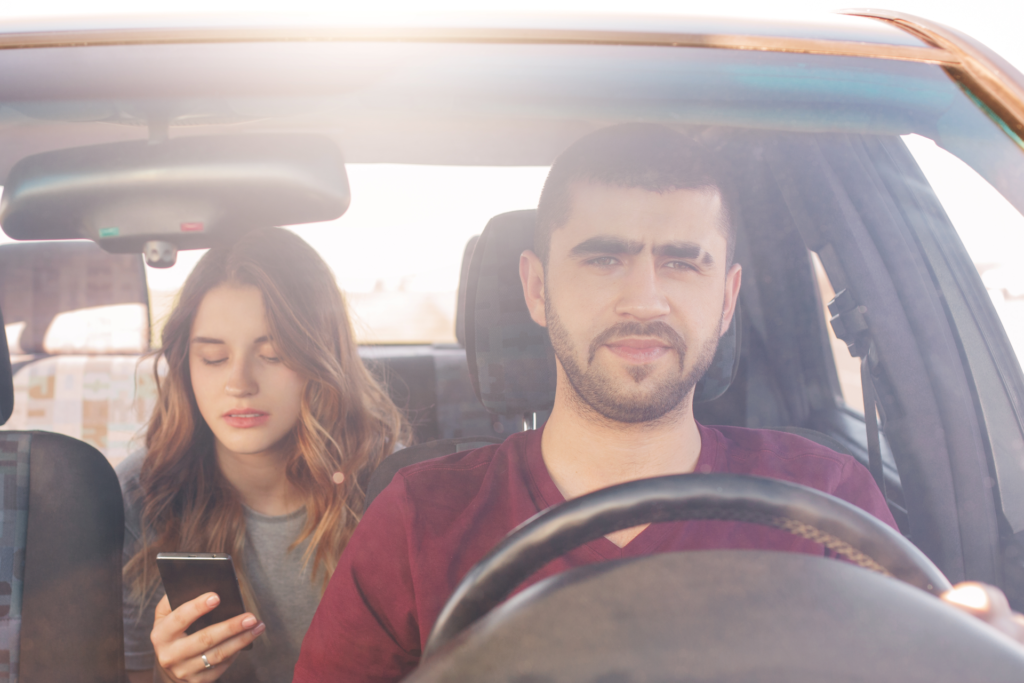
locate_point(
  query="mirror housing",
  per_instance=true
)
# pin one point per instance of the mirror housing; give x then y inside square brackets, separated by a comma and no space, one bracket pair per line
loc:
[190,193]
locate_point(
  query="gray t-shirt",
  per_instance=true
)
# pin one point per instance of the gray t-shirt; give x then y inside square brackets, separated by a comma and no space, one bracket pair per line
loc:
[286,599]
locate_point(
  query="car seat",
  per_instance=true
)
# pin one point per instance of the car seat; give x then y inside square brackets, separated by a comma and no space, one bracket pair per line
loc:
[77,322]
[60,555]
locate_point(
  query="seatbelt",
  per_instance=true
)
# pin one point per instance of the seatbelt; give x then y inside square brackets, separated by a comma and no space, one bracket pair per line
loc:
[871,421]
[849,324]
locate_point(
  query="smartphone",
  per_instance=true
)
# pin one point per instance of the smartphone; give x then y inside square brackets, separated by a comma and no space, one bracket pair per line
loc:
[186,576]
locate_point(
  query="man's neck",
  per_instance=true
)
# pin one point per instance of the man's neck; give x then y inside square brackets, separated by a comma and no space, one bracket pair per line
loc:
[585,452]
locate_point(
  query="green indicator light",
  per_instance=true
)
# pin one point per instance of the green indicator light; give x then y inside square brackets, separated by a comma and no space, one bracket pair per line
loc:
[110,232]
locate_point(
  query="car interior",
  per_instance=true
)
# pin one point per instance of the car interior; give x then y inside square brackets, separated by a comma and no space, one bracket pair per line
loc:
[775,368]
[782,377]
[825,191]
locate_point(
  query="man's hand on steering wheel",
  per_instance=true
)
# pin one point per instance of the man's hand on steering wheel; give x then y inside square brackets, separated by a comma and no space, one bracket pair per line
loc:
[988,604]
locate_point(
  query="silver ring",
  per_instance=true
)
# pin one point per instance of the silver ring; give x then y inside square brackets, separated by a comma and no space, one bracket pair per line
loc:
[206,662]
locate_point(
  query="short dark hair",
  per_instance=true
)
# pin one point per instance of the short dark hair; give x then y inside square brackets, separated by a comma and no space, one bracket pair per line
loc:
[644,155]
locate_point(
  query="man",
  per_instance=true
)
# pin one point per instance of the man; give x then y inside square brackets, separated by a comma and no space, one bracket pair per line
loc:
[632,274]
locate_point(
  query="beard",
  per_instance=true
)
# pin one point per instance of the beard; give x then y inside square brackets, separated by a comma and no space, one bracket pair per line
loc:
[636,402]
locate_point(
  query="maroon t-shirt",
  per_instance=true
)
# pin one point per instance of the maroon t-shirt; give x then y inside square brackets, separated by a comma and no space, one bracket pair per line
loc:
[438,518]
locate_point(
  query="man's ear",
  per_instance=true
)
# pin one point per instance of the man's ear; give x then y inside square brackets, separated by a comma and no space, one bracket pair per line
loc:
[531,272]
[733,278]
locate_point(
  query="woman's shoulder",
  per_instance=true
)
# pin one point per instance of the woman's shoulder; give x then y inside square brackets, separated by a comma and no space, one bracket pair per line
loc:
[129,469]
[128,472]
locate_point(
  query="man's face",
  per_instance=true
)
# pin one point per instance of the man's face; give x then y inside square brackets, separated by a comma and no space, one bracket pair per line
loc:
[635,297]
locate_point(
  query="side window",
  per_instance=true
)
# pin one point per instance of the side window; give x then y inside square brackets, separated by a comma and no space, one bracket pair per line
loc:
[847,367]
[991,229]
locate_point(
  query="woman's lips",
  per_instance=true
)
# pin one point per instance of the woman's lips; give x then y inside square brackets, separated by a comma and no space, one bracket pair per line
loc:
[244,419]
[639,350]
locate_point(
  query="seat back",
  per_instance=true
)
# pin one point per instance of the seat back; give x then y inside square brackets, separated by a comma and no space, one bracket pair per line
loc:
[60,557]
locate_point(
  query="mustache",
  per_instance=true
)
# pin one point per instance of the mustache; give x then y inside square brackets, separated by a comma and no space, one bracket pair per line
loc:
[657,329]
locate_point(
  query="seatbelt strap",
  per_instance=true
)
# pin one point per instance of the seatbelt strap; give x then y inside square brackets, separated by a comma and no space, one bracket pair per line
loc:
[849,324]
[871,421]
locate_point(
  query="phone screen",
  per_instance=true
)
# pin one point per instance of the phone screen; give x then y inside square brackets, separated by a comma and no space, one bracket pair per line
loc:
[186,576]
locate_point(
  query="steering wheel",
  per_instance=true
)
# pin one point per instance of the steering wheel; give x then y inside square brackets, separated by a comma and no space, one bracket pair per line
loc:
[596,620]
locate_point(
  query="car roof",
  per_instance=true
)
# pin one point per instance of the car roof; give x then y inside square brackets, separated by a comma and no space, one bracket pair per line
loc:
[494,26]
[66,70]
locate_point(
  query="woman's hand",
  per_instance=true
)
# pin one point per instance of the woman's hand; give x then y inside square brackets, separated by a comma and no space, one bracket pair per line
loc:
[988,604]
[180,656]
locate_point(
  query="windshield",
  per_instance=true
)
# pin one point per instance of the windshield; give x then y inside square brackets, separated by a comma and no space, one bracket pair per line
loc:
[874,204]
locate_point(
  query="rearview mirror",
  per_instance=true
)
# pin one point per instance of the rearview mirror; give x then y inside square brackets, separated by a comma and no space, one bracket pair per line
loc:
[186,193]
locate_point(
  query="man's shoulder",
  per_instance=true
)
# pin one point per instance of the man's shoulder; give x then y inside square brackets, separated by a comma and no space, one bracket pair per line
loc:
[783,443]
[457,479]
[462,461]
[793,457]
[463,465]
[785,455]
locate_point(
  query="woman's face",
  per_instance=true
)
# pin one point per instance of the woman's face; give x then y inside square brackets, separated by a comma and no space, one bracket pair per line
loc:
[245,393]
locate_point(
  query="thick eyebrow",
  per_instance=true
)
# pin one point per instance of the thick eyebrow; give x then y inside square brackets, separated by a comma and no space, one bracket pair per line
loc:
[684,250]
[607,245]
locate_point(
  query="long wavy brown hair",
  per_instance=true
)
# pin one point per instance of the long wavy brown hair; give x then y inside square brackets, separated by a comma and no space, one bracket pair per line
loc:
[347,422]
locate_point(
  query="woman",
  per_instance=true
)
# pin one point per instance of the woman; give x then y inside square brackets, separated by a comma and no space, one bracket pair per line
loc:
[266,429]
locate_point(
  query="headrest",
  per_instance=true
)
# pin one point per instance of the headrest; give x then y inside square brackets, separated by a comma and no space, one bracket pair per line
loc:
[460,306]
[510,356]
[73,297]
[6,380]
